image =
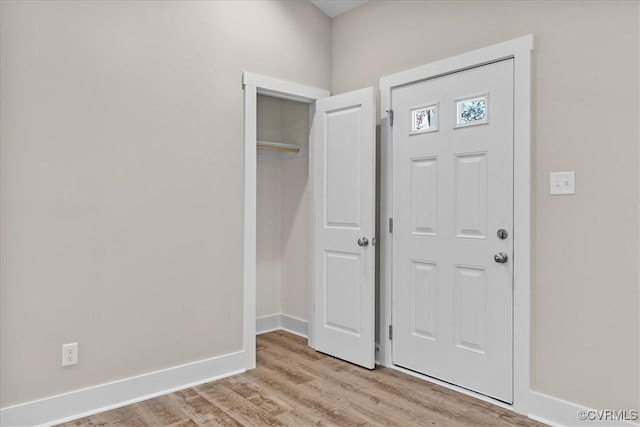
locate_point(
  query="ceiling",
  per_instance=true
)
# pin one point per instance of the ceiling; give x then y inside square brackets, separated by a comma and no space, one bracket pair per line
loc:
[334,8]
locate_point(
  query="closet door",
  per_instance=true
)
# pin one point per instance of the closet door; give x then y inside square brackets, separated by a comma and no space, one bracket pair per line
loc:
[343,163]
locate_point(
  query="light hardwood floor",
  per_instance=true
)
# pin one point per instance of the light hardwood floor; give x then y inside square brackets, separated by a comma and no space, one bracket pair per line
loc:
[294,385]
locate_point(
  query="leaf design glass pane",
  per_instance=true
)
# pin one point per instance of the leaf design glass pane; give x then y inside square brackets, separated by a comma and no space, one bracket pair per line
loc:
[472,111]
[423,119]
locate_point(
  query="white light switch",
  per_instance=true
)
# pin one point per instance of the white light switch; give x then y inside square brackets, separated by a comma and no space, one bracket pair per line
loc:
[562,183]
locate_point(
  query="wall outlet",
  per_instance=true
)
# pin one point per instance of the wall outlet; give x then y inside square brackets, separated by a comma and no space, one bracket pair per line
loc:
[70,354]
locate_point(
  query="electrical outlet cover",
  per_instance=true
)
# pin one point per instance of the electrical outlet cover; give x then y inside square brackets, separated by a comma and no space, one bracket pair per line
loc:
[70,354]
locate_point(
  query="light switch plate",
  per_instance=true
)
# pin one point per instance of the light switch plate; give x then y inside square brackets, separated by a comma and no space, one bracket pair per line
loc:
[562,183]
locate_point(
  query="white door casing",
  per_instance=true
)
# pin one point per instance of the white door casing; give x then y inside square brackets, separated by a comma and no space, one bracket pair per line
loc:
[254,84]
[452,191]
[343,175]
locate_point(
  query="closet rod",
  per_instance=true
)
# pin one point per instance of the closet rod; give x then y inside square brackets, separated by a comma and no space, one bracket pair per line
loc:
[277,146]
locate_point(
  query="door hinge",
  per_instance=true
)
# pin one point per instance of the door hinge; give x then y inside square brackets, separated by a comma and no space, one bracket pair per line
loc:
[390,332]
[390,225]
[390,117]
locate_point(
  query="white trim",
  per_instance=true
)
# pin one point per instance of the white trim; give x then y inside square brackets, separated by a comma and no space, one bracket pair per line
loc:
[520,50]
[103,397]
[558,412]
[249,235]
[281,322]
[311,340]
[522,225]
[254,84]
[269,323]
[294,325]
[475,58]
[283,89]
[383,347]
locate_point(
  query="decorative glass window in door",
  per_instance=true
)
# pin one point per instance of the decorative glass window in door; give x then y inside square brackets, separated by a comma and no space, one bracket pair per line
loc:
[423,119]
[472,111]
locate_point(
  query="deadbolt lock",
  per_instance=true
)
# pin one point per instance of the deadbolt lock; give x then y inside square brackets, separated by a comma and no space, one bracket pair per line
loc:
[502,234]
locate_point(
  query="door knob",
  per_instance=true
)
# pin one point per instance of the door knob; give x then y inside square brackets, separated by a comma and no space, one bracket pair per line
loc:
[363,241]
[501,257]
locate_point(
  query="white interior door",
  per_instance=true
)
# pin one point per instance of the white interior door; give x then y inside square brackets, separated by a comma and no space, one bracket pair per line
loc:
[452,193]
[343,173]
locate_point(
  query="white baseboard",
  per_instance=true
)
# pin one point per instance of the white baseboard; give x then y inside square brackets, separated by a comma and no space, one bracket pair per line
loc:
[268,324]
[557,412]
[88,401]
[276,322]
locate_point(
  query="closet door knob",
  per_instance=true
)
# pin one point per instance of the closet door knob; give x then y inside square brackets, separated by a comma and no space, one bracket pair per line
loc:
[363,241]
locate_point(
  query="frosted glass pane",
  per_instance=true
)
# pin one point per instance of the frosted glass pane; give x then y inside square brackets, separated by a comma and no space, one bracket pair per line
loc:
[423,119]
[472,110]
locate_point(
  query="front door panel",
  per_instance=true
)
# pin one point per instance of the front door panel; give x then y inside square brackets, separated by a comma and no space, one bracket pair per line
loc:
[452,192]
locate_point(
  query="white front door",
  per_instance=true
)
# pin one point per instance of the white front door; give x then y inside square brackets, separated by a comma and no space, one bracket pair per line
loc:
[452,196]
[343,173]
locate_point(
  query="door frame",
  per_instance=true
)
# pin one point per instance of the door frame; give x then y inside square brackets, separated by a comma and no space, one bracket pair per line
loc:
[520,51]
[254,85]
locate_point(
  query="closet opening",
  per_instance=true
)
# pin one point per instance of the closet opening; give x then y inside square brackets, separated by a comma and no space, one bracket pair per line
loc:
[282,214]
[277,274]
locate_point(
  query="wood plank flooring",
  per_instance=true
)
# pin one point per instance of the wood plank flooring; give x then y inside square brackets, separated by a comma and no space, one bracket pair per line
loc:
[294,385]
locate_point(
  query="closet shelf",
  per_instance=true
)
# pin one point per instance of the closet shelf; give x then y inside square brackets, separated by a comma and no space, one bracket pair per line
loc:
[277,146]
[278,150]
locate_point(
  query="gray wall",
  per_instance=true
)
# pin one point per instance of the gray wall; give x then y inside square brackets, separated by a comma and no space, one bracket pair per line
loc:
[585,296]
[121,138]
[121,174]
